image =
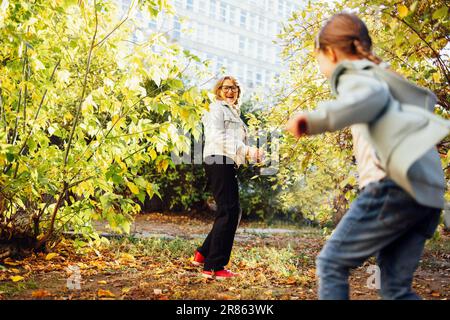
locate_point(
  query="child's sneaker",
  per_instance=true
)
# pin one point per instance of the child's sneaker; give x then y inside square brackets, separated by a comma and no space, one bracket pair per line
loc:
[219,275]
[199,259]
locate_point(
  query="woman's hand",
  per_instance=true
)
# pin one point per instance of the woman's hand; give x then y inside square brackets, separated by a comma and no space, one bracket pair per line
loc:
[255,154]
[297,125]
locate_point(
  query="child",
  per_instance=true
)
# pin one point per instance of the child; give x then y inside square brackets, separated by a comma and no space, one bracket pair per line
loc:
[400,175]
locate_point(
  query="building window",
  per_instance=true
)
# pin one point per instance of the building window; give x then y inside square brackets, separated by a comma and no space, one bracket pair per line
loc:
[211,35]
[288,10]
[258,79]
[190,4]
[254,3]
[280,7]
[220,62]
[243,22]
[232,12]
[152,24]
[223,11]
[241,45]
[250,78]
[240,74]
[251,48]
[176,28]
[202,7]
[268,76]
[254,22]
[201,32]
[260,53]
[274,28]
[262,22]
[212,8]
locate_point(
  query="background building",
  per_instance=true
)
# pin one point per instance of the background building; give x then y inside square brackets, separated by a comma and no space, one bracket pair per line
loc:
[237,35]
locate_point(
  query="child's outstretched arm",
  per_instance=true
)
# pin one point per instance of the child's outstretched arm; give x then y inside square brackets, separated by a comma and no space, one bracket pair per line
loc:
[360,99]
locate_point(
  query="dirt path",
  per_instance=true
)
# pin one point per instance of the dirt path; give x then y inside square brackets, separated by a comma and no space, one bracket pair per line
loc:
[274,263]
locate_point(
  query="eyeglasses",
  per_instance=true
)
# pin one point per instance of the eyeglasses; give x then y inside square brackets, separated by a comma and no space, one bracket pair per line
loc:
[228,88]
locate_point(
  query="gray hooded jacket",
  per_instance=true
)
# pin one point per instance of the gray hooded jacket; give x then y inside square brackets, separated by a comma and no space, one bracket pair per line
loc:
[399,125]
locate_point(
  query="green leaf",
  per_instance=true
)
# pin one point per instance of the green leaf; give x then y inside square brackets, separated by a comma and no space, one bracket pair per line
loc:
[440,13]
[10,156]
[141,196]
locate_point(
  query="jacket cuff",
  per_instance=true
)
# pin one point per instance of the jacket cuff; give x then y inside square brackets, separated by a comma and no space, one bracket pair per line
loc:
[316,122]
[242,150]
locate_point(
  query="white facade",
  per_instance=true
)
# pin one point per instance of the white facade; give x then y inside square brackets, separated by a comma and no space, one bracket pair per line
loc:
[235,35]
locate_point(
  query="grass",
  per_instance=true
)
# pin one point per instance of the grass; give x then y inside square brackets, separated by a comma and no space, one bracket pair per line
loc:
[253,260]
[280,266]
[10,289]
[161,249]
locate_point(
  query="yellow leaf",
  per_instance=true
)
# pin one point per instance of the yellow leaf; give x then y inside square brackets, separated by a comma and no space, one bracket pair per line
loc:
[11,263]
[105,293]
[50,256]
[102,282]
[162,165]
[152,154]
[126,257]
[17,278]
[121,164]
[436,77]
[125,290]
[133,187]
[402,11]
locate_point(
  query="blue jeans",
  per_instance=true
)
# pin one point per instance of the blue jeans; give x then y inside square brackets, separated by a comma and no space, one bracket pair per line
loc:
[384,221]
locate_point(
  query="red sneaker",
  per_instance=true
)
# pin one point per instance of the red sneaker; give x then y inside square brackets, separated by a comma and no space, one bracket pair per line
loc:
[219,275]
[199,259]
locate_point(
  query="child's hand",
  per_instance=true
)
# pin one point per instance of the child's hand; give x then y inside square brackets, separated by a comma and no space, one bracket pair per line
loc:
[297,125]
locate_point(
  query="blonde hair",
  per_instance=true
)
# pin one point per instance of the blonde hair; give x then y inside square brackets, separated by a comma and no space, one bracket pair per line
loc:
[219,85]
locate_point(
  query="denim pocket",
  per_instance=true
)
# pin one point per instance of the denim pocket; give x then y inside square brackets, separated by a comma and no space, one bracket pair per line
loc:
[399,210]
[372,198]
[429,225]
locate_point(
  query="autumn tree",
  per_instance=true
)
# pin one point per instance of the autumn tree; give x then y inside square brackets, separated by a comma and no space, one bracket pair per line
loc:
[83,109]
[317,175]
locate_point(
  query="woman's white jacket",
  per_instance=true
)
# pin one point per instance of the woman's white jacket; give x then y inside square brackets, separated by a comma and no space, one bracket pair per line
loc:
[224,132]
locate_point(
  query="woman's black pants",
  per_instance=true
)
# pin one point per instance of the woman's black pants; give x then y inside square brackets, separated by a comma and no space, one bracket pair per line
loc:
[222,180]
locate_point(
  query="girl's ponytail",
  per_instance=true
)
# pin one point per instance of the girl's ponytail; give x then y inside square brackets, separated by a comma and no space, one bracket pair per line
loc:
[364,53]
[348,33]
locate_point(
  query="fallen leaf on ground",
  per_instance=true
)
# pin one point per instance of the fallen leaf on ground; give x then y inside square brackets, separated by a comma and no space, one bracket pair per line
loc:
[126,258]
[157,291]
[105,293]
[223,296]
[125,290]
[436,294]
[17,278]
[50,256]
[40,294]
[10,262]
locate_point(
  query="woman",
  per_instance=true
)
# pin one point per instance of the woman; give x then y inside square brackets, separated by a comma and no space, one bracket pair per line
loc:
[225,149]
